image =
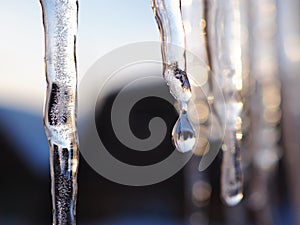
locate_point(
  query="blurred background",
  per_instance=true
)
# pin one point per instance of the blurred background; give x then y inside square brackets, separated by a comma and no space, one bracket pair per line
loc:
[271,147]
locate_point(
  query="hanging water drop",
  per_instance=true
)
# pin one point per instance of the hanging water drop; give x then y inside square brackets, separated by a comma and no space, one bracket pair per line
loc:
[183,134]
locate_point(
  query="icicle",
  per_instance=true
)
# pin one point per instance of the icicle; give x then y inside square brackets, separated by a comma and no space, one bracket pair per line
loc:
[169,19]
[60,25]
[224,39]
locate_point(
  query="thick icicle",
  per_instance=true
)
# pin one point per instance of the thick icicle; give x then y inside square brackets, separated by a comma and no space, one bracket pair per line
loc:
[60,25]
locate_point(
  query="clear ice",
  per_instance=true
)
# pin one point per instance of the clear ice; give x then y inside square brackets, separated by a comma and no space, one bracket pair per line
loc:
[169,19]
[224,39]
[60,110]
[231,180]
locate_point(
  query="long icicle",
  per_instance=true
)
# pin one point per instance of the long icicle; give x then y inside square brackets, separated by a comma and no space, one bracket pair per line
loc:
[224,39]
[169,20]
[231,68]
[60,110]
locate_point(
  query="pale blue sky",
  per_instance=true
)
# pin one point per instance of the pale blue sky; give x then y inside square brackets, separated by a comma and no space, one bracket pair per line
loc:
[103,26]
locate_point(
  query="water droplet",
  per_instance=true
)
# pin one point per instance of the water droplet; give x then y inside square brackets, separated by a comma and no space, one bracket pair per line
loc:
[233,200]
[183,134]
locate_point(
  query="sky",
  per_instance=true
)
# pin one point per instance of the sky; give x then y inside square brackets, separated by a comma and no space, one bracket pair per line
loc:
[103,26]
